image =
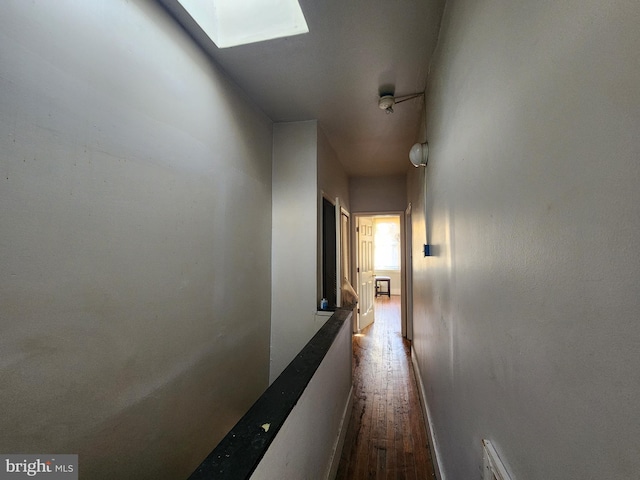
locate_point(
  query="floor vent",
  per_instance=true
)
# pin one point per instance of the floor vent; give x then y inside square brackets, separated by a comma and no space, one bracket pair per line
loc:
[493,466]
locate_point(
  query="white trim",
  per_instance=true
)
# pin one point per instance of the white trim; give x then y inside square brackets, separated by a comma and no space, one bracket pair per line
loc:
[433,444]
[493,466]
[407,300]
[339,445]
[338,252]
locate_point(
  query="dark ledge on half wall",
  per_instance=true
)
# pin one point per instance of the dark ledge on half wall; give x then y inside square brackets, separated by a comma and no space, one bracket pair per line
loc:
[240,451]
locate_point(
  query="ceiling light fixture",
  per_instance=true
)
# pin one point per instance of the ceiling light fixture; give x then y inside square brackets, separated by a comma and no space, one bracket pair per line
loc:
[419,154]
[387,102]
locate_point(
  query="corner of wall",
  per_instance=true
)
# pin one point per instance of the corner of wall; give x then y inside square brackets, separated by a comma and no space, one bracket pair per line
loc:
[294,249]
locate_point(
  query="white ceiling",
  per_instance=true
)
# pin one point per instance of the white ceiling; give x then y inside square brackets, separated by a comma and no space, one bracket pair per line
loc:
[355,50]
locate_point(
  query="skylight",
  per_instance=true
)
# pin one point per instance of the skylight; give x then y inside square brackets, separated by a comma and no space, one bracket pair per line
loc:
[238,22]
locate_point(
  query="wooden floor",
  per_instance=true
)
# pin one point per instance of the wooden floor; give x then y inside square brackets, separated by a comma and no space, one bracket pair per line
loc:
[386,438]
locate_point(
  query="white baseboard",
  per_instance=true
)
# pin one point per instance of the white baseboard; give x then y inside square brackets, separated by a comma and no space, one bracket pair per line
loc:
[339,445]
[435,450]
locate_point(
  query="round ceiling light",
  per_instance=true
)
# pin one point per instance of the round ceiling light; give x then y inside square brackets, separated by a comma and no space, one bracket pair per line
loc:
[419,154]
[386,103]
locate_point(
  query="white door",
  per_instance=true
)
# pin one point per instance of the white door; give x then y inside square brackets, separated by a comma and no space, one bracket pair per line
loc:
[366,287]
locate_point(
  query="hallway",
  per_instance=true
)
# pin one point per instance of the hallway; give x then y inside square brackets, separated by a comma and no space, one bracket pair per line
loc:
[386,438]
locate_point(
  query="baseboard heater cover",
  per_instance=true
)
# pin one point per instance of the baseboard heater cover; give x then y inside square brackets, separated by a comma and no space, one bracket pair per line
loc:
[493,467]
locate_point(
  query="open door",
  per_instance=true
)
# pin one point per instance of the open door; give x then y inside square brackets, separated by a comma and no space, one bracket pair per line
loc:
[366,287]
[330,264]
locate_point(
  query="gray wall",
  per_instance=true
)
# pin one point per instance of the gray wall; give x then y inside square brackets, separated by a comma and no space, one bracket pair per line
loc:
[526,320]
[135,240]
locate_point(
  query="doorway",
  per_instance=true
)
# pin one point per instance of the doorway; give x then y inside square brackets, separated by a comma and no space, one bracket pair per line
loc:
[334,264]
[380,241]
[329,254]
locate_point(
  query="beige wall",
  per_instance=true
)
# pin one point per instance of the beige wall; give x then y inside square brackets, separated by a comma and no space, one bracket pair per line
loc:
[332,178]
[526,321]
[295,240]
[333,183]
[136,239]
[304,167]
[378,194]
[307,446]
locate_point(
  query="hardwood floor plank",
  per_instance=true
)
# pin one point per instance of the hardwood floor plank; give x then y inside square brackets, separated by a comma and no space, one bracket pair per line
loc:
[386,437]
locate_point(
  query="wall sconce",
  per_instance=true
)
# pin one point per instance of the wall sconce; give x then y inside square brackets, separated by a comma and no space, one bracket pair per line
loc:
[419,154]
